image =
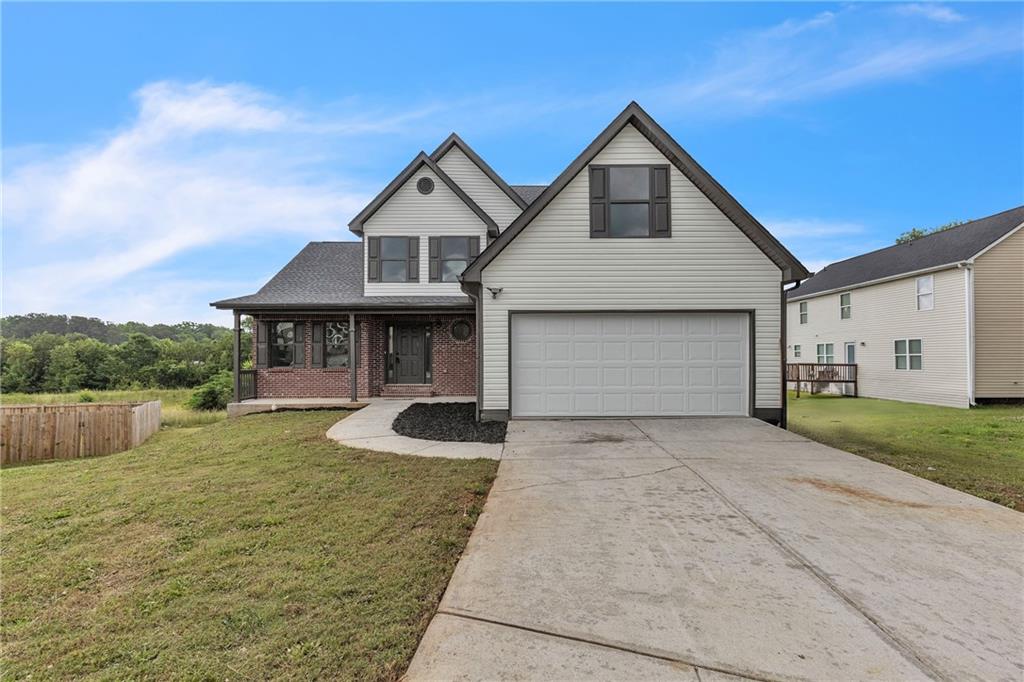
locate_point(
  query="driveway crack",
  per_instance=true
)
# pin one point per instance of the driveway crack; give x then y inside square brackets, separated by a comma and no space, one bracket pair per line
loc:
[591,480]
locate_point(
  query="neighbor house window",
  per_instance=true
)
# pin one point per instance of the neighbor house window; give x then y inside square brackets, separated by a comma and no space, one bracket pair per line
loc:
[826,354]
[908,353]
[286,340]
[336,344]
[629,201]
[844,306]
[925,292]
[393,259]
[449,256]
[796,351]
[803,312]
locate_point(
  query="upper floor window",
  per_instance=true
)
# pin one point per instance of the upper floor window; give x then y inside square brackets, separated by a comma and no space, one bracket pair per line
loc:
[845,310]
[449,256]
[629,201]
[925,292]
[908,353]
[393,259]
[803,312]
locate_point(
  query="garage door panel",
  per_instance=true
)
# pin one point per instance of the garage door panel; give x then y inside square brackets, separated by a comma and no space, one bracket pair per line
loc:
[637,364]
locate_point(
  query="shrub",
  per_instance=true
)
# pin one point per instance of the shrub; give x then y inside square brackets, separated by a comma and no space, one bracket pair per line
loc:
[215,394]
[86,397]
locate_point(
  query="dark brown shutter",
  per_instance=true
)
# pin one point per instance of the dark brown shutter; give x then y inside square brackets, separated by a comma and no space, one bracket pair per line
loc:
[318,344]
[598,201]
[434,266]
[474,248]
[261,344]
[661,222]
[414,259]
[373,259]
[299,354]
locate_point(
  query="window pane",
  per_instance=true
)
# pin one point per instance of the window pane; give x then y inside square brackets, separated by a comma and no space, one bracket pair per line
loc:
[926,302]
[394,247]
[393,270]
[629,183]
[803,307]
[455,247]
[451,269]
[901,362]
[925,284]
[281,356]
[915,362]
[901,348]
[828,349]
[844,299]
[844,313]
[915,346]
[630,220]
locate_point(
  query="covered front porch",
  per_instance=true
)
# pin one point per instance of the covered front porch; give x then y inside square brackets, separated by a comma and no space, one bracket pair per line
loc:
[336,358]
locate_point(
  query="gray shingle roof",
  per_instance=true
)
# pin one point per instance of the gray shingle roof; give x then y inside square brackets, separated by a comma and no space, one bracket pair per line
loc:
[947,247]
[328,275]
[529,193]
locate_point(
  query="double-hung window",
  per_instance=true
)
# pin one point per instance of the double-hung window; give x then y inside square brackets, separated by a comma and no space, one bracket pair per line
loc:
[925,292]
[803,312]
[845,309]
[796,351]
[393,259]
[826,354]
[908,353]
[629,201]
[449,256]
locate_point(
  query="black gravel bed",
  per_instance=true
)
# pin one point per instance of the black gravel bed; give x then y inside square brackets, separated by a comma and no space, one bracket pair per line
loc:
[449,422]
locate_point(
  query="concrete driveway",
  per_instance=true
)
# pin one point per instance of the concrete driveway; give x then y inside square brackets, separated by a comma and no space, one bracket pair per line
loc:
[702,549]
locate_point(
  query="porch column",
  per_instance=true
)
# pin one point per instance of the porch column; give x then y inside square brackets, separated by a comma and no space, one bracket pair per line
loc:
[238,354]
[353,354]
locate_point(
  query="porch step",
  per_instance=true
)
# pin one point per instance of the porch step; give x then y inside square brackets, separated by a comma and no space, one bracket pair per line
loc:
[407,391]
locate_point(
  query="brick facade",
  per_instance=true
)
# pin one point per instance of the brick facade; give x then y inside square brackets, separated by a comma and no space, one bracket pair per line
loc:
[453,363]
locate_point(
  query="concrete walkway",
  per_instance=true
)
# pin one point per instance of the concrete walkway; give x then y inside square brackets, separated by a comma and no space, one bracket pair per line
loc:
[370,429]
[724,549]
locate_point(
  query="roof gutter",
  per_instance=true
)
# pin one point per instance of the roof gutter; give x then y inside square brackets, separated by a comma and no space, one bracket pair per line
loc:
[871,282]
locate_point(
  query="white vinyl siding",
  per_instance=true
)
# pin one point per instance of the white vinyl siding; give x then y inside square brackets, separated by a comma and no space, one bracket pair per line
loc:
[409,214]
[480,188]
[888,311]
[999,320]
[707,264]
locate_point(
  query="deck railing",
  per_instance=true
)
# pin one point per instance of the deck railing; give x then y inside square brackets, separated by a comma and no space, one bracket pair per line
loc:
[246,384]
[821,373]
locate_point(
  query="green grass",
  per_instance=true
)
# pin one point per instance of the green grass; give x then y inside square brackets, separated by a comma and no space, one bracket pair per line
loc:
[253,548]
[979,451]
[174,413]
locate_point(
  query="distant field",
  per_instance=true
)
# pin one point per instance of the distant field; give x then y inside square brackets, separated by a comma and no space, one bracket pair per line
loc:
[173,411]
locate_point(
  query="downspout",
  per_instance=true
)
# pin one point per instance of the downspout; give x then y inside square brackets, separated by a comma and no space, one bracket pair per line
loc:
[783,422]
[473,291]
[353,352]
[969,327]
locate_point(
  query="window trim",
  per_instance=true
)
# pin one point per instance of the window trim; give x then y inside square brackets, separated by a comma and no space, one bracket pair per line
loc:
[825,350]
[375,262]
[930,292]
[907,355]
[802,309]
[846,310]
[437,260]
[659,201]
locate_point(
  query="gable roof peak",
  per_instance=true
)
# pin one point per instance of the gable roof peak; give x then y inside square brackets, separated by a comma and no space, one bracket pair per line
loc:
[453,140]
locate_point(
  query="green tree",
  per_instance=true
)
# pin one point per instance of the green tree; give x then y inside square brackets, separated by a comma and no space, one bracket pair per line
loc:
[136,358]
[64,371]
[17,366]
[917,232]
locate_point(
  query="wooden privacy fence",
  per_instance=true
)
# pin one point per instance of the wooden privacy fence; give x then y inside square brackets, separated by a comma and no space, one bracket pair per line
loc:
[821,373]
[31,433]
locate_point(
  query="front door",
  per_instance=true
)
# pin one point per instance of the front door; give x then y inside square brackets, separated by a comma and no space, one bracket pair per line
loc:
[408,354]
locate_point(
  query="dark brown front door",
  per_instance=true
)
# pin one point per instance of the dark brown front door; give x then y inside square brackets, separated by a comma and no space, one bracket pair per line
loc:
[408,354]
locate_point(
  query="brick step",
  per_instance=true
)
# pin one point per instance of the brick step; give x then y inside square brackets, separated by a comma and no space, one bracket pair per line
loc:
[407,391]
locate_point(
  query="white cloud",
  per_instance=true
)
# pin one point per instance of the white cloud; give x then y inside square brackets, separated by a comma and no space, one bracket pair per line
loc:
[932,11]
[795,228]
[818,242]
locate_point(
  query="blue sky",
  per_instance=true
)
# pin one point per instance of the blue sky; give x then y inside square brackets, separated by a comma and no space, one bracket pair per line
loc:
[158,157]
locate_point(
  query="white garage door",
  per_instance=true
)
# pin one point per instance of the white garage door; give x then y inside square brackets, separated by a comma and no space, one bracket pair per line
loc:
[635,364]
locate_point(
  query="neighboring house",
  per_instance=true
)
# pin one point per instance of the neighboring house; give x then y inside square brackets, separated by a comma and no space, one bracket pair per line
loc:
[937,320]
[633,285]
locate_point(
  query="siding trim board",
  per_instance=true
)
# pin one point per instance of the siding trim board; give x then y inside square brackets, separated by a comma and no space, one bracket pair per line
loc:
[357,223]
[634,115]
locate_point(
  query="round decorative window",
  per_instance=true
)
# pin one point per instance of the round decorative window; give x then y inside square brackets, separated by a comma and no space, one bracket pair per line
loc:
[425,185]
[461,330]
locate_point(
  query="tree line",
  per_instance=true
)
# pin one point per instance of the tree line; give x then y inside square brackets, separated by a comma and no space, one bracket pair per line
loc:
[71,361]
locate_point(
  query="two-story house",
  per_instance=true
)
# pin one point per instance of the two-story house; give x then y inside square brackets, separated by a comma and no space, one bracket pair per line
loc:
[936,320]
[633,285]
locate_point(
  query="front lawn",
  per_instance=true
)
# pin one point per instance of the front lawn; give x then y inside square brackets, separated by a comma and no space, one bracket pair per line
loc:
[252,548]
[979,451]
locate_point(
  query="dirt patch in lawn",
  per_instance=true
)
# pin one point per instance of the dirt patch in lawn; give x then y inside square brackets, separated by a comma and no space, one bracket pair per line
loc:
[453,422]
[858,493]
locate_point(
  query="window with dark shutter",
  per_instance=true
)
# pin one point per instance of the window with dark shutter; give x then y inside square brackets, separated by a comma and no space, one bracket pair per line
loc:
[285,346]
[373,259]
[396,259]
[630,202]
[449,256]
